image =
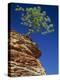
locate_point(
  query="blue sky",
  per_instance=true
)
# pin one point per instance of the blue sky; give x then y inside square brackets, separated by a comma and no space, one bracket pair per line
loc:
[48,44]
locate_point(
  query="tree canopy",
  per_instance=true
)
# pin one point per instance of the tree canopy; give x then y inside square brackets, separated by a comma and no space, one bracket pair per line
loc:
[36,20]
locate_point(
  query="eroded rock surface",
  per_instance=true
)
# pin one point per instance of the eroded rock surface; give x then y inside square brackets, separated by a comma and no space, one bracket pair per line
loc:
[22,56]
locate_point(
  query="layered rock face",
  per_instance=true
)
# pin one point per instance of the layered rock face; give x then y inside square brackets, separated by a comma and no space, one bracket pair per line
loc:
[22,56]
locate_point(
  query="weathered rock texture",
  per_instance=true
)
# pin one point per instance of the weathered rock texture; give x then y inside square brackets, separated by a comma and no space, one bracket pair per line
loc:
[22,56]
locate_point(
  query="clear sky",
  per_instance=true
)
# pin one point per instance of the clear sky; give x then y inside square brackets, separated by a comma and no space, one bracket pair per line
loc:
[48,44]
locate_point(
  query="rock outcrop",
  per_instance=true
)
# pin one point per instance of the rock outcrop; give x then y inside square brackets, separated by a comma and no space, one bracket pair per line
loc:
[22,56]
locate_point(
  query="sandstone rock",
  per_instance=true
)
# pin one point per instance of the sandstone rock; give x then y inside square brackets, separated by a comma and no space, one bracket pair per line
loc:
[22,54]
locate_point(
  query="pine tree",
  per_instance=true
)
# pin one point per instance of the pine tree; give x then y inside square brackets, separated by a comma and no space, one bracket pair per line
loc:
[36,20]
